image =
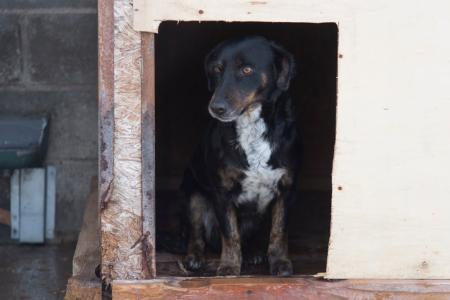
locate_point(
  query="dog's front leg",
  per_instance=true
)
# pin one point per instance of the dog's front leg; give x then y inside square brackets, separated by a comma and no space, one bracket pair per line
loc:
[230,259]
[197,210]
[279,262]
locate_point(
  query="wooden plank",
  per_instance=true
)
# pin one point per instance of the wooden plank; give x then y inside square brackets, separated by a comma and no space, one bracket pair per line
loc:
[280,288]
[390,207]
[87,252]
[148,14]
[148,150]
[120,148]
[106,124]
[81,288]
[5,217]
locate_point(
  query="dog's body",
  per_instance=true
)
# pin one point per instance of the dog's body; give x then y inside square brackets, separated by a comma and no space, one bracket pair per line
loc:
[245,168]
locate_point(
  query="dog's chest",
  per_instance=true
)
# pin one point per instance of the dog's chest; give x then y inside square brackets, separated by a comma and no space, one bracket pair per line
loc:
[260,184]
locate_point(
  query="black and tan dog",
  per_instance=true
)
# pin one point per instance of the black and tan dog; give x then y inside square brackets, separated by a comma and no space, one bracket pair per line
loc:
[245,168]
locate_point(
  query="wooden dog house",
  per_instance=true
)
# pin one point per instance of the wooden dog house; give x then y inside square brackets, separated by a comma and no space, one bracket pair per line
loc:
[390,209]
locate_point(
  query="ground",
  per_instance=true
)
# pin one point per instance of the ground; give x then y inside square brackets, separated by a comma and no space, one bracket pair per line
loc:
[35,272]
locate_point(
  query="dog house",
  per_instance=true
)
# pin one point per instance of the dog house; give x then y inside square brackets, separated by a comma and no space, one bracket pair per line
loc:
[389,147]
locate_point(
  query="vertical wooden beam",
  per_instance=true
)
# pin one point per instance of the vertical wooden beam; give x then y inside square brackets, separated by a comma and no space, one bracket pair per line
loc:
[148,150]
[120,90]
[106,112]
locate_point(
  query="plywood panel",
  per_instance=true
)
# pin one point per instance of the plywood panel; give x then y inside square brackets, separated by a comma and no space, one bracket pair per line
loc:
[390,208]
[390,178]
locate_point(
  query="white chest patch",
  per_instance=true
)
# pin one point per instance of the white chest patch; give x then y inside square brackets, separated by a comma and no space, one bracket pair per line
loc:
[261,182]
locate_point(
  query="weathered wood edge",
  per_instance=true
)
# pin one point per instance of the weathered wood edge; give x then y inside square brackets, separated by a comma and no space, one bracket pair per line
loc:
[120,122]
[148,151]
[280,288]
[106,110]
[87,252]
[79,287]
[5,217]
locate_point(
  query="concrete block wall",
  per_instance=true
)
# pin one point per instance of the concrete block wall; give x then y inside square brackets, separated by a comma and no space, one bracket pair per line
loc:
[48,66]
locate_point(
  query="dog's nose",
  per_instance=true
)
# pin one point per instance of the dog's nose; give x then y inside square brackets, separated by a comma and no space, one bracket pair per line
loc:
[219,109]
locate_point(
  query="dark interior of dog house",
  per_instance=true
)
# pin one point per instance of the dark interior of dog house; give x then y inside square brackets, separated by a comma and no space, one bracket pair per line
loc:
[181,115]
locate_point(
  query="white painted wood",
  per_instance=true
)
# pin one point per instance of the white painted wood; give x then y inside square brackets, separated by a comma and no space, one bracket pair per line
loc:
[390,219]
[32,205]
[15,204]
[50,201]
[148,14]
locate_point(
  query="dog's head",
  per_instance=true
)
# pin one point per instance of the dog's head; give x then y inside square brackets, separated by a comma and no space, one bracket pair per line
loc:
[243,72]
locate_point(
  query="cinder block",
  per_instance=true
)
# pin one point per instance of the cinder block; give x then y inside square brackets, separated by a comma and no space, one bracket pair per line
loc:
[72,190]
[73,120]
[63,48]
[10,49]
[21,4]
[72,146]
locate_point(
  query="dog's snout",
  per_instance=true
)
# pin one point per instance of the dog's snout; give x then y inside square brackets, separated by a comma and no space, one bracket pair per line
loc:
[219,108]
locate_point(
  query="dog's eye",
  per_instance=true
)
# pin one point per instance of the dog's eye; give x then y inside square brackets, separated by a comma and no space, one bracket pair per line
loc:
[247,70]
[218,69]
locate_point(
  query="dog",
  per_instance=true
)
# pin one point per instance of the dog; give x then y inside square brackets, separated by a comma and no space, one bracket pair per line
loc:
[244,171]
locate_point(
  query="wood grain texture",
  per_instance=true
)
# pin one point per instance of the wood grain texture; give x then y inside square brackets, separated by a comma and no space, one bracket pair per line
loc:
[87,253]
[80,288]
[120,143]
[304,288]
[5,217]
[148,151]
[106,120]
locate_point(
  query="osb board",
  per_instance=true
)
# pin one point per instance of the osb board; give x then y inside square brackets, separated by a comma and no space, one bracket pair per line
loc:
[390,176]
[120,146]
[279,288]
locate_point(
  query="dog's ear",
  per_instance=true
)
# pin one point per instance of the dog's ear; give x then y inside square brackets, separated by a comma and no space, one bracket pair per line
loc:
[285,66]
[209,57]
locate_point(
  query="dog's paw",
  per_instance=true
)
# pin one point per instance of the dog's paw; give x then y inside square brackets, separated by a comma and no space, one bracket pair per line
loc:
[281,267]
[228,270]
[193,262]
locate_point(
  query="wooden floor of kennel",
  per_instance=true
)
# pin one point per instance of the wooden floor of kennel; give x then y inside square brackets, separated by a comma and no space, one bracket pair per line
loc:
[126,195]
